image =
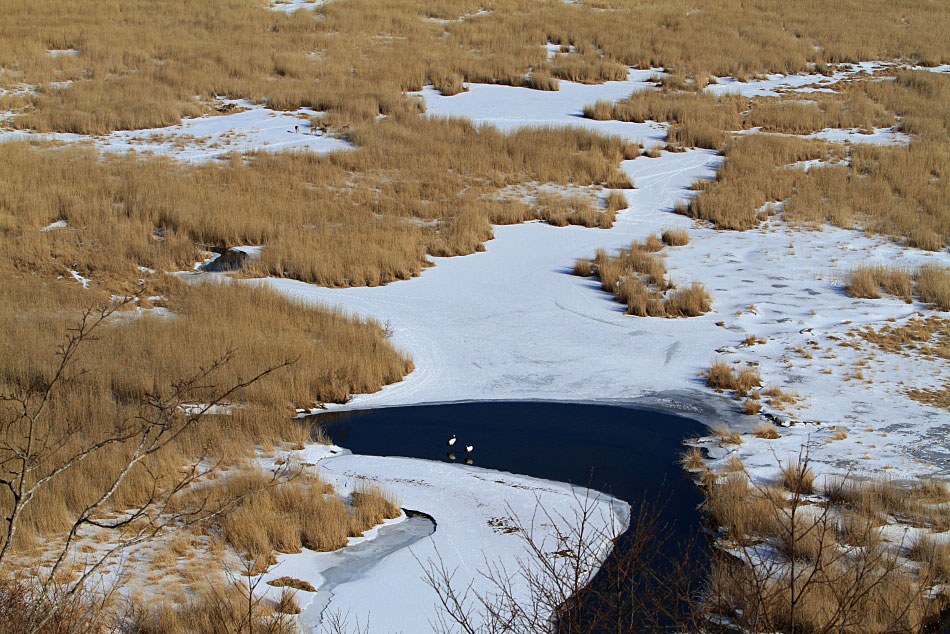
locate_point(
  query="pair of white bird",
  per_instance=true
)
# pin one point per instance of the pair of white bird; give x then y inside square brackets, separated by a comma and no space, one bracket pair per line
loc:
[451,443]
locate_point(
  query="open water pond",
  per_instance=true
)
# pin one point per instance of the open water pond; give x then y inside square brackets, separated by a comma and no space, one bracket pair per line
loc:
[630,453]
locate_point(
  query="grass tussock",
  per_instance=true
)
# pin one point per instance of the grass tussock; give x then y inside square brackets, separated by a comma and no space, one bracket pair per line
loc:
[727,436]
[583,267]
[690,301]
[577,209]
[931,283]
[766,431]
[291,582]
[302,513]
[692,459]
[798,478]
[637,278]
[870,281]
[933,286]
[219,608]
[721,375]
[675,237]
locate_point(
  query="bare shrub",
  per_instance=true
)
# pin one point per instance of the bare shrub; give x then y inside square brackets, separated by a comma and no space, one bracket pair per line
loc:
[287,604]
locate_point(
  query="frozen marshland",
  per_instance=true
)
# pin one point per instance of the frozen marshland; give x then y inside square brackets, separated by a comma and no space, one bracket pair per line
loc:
[513,323]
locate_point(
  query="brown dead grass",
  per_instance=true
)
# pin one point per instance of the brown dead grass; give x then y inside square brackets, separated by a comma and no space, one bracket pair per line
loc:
[369,53]
[583,267]
[692,459]
[290,582]
[675,237]
[870,281]
[766,431]
[934,553]
[923,504]
[302,513]
[798,478]
[933,286]
[219,608]
[637,277]
[573,210]
[691,301]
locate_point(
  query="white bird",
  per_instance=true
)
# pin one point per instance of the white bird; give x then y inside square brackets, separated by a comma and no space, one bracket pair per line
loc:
[468,448]
[451,441]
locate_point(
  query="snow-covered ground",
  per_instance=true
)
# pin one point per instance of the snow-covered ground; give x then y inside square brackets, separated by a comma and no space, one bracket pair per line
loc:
[508,108]
[289,6]
[201,139]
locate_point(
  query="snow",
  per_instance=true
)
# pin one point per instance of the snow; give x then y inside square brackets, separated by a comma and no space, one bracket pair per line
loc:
[877,136]
[206,138]
[79,278]
[509,107]
[290,6]
[59,224]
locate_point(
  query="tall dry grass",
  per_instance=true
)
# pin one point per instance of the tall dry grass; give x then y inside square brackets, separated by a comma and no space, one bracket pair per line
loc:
[637,277]
[336,356]
[933,286]
[141,64]
[414,186]
[871,281]
[897,191]
[931,283]
[301,513]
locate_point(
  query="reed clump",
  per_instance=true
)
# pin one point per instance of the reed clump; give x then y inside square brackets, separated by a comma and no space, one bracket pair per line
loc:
[637,277]
[675,237]
[930,283]
[289,516]
[870,281]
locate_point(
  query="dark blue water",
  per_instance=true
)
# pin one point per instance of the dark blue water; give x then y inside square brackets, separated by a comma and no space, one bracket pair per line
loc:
[626,452]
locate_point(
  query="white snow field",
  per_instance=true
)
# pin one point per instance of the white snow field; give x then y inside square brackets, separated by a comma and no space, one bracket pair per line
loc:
[202,139]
